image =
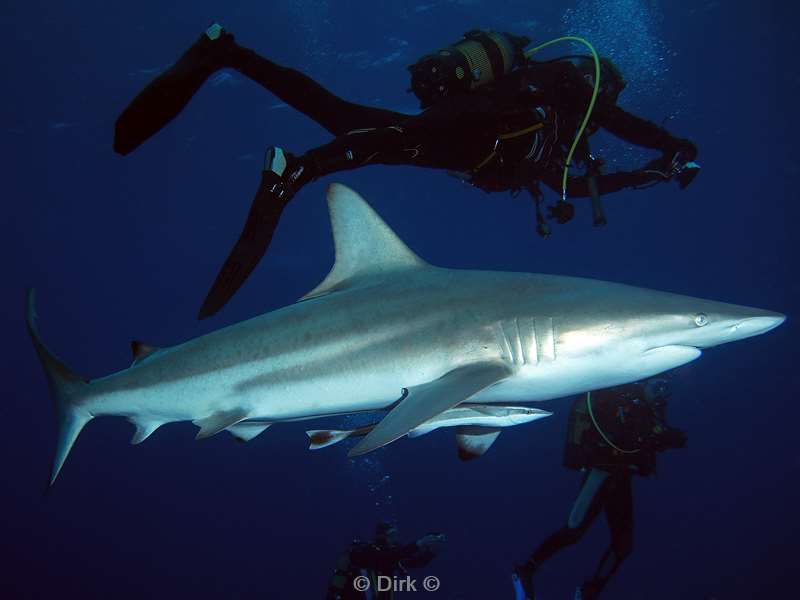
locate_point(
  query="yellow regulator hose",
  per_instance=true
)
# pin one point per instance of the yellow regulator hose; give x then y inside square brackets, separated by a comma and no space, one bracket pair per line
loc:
[572,38]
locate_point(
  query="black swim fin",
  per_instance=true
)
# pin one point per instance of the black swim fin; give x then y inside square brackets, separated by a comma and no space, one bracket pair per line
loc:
[165,96]
[271,198]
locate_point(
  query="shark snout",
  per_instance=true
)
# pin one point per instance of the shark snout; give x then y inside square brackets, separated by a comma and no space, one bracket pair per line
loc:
[757,325]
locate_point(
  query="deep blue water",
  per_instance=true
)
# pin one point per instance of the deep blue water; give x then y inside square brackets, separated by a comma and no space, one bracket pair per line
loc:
[125,248]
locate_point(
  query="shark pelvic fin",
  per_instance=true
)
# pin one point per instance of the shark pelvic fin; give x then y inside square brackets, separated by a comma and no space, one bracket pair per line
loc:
[141,350]
[475,441]
[428,400]
[364,243]
[143,430]
[246,431]
[66,389]
[219,421]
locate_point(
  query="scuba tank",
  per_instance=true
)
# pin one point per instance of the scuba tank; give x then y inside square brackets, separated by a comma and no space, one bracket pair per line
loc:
[478,59]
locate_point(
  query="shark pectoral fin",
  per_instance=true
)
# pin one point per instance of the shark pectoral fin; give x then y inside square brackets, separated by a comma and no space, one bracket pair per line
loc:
[140,350]
[244,432]
[219,421]
[428,400]
[475,441]
[364,244]
[143,430]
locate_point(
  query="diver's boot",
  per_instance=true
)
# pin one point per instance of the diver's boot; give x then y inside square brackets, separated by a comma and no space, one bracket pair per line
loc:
[522,579]
[280,179]
[165,96]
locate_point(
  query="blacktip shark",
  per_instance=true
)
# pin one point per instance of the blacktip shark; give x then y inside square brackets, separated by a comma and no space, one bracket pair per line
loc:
[477,427]
[385,325]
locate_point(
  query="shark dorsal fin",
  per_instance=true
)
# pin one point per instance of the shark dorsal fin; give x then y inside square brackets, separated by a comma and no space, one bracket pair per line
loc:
[364,243]
[141,350]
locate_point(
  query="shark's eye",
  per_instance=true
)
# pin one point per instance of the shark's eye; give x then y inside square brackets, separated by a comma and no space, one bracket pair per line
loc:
[700,319]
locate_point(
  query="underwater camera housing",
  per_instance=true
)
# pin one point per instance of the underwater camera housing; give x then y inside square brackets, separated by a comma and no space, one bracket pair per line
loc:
[478,59]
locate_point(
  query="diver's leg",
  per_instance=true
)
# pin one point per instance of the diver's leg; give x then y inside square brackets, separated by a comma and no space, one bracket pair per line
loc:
[452,136]
[418,142]
[619,514]
[307,96]
[587,506]
[165,96]
[578,187]
[281,179]
[168,94]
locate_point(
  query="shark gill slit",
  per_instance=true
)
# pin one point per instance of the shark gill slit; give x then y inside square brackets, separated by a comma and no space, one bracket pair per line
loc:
[502,340]
[518,347]
[545,339]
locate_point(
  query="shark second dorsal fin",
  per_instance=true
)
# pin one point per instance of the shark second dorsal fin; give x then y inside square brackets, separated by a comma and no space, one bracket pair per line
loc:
[140,350]
[364,243]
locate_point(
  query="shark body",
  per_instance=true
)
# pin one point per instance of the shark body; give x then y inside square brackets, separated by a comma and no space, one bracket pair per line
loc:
[385,330]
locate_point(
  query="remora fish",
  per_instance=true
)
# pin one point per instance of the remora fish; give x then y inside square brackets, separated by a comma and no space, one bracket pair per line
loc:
[477,427]
[382,321]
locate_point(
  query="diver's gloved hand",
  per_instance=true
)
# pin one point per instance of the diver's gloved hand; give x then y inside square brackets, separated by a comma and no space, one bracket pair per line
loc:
[590,590]
[433,541]
[670,438]
[677,166]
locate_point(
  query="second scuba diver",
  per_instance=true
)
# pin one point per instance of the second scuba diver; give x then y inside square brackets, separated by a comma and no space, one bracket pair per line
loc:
[612,435]
[368,569]
[497,119]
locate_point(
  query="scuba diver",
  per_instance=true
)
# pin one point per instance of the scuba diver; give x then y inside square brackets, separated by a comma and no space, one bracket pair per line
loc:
[493,117]
[612,435]
[367,568]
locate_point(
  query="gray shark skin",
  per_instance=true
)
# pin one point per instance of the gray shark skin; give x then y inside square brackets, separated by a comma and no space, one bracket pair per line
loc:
[384,325]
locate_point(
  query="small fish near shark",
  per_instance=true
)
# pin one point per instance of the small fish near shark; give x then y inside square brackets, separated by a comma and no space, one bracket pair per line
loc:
[383,325]
[477,427]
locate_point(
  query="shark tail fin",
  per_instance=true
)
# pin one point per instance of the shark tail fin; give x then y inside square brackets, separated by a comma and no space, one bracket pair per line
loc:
[66,389]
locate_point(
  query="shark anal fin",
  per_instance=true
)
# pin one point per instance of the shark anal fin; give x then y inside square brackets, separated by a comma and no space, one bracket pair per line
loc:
[475,441]
[246,431]
[219,421]
[143,430]
[428,400]
[140,350]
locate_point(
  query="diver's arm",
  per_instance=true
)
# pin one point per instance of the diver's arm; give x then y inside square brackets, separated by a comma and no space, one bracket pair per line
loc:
[578,187]
[641,132]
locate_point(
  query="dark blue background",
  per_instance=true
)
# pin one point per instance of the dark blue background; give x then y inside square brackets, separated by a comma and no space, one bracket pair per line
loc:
[125,248]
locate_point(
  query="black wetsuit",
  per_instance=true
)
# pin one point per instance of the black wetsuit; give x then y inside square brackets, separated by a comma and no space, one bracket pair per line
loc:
[508,135]
[619,437]
[458,133]
[376,562]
